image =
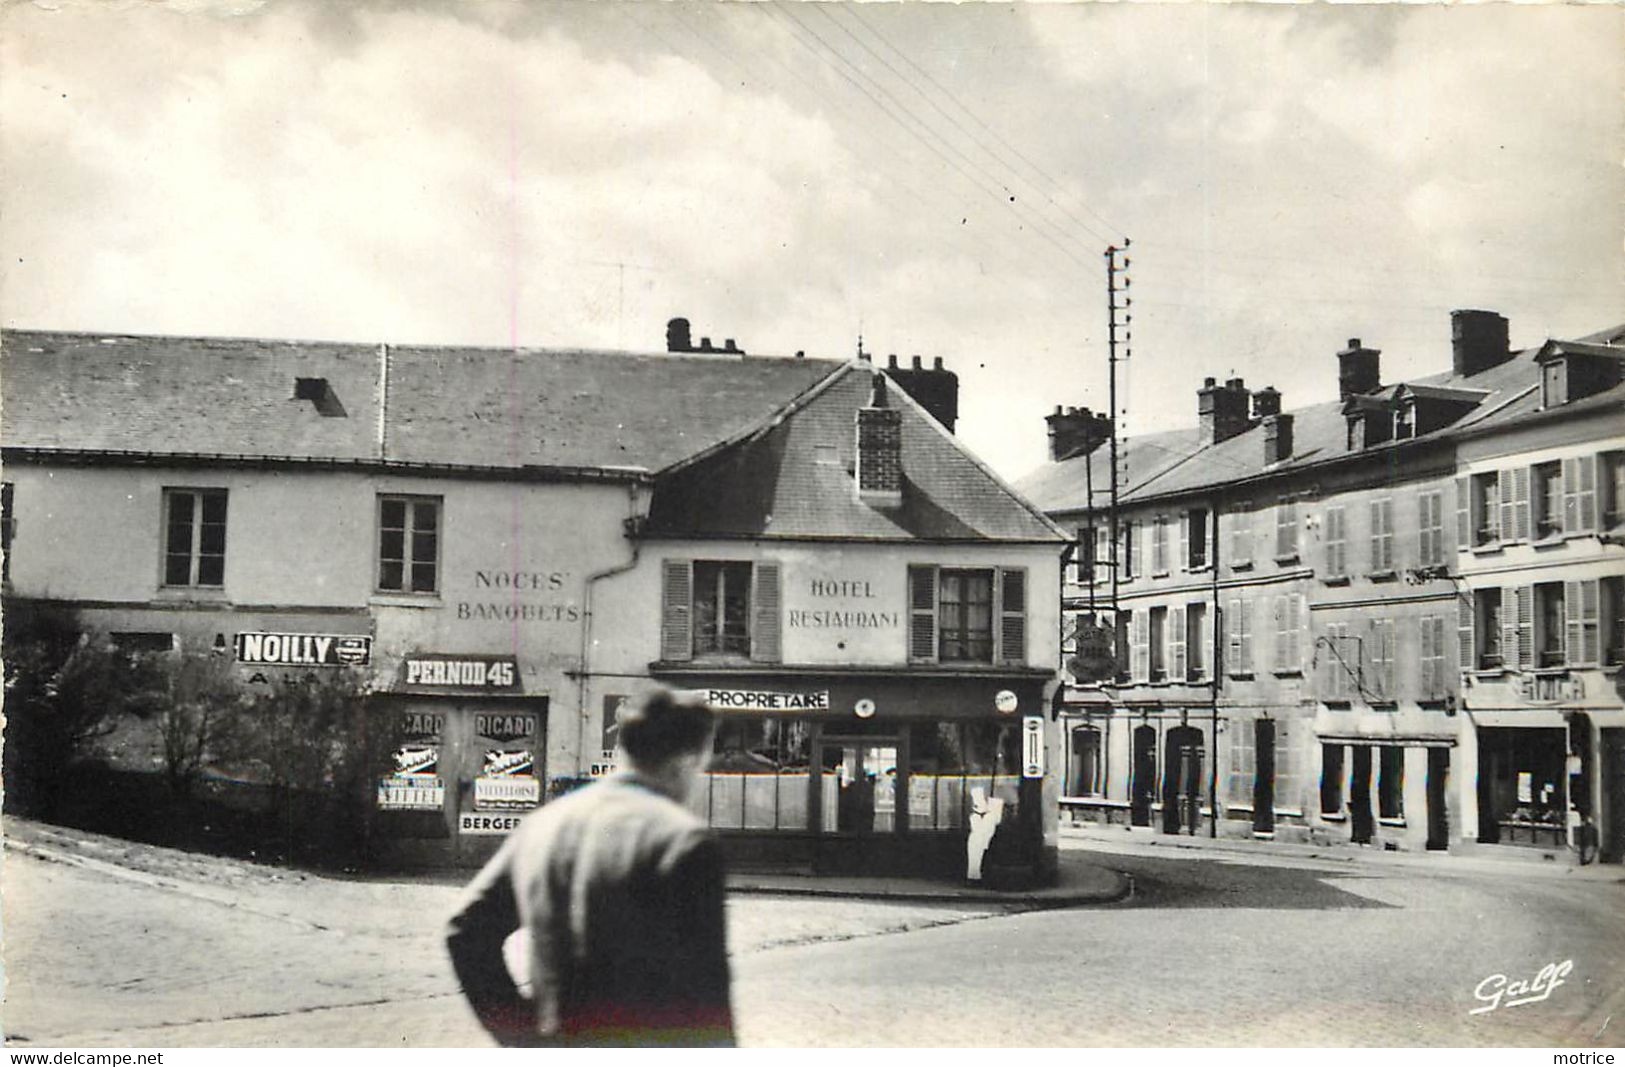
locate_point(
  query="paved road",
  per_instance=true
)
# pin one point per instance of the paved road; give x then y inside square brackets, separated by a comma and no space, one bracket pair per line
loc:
[132,946]
[1222,951]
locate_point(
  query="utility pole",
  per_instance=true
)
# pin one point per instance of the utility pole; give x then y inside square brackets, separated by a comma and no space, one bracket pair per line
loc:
[1114,268]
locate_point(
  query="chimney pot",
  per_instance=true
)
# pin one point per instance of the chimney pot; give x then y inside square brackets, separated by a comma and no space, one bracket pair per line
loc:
[677,336]
[1478,341]
[1221,413]
[1076,432]
[1209,383]
[936,364]
[915,363]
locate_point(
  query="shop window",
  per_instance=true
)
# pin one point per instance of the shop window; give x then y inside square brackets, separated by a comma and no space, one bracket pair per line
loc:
[1241,537]
[1549,622]
[758,777]
[409,544]
[1547,501]
[1286,532]
[1486,508]
[1521,794]
[1196,538]
[968,616]
[195,537]
[1391,782]
[1332,776]
[8,528]
[1158,644]
[1613,620]
[1337,546]
[1196,642]
[1083,777]
[1159,545]
[1382,536]
[720,609]
[1430,537]
[951,762]
[1126,559]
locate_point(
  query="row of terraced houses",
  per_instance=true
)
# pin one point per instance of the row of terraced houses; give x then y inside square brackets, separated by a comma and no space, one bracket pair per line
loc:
[1396,619]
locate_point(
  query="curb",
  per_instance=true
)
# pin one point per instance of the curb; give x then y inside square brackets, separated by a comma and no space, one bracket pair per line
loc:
[1122,888]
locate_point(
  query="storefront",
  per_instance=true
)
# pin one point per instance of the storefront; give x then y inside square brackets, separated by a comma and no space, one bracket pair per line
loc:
[878,771]
[463,766]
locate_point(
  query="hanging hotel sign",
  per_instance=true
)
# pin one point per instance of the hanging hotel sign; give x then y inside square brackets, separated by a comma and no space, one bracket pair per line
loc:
[1032,746]
[765,700]
[296,650]
[437,672]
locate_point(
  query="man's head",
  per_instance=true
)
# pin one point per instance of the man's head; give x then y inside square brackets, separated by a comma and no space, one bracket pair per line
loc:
[666,736]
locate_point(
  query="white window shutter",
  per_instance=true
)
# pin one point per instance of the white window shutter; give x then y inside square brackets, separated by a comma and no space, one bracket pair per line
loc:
[1467,650]
[922,614]
[766,635]
[677,611]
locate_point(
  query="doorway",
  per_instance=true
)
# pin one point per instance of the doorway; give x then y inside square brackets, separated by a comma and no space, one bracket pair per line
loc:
[1364,826]
[1612,764]
[859,785]
[1143,784]
[1182,780]
[1438,781]
[1263,776]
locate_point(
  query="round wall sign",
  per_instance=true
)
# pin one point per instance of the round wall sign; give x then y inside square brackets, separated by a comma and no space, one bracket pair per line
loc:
[864,708]
[1006,702]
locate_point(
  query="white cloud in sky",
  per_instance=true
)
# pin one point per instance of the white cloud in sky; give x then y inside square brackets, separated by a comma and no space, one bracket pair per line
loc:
[574,174]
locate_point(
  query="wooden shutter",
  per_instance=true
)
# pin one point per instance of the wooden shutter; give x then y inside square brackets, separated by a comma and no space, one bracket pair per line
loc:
[1464,514]
[1467,648]
[1509,626]
[1427,659]
[1232,635]
[1586,493]
[1571,496]
[766,644]
[1245,613]
[1582,644]
[1140,626]
[1176,644]
[1012,615]
[1526,626]
[1520,529]
[1278,606]
[1185,541]
[677,610]
[922,614]
[1336,557]
[1295,624]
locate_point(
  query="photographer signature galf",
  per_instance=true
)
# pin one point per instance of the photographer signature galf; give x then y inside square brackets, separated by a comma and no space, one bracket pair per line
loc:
[1499,991]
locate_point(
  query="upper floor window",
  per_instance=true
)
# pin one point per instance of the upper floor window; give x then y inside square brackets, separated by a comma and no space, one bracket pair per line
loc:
[1197,639]
[408,544]
[1430,537]
[1157,648]
[1482,636]
[1549,622]
[1087,554]
[195,537]
[968,615]
[1196,538]
[1241,537]
[1433,682]
[1612,622]
[1238,637]
[719,608]
[1382,536]
[1126,559]
[1159,545]
[1337,557]
[1286,532]
[1548,499]
[1339,663]
[1289,623]
[1613,489]
[1485,509]
[1379,687]
[8,529]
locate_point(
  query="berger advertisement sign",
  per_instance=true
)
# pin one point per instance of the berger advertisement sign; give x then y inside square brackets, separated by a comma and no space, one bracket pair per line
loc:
[303,650]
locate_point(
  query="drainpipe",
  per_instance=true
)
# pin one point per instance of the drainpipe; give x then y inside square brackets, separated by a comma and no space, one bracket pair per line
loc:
[1213,673]
[634,523]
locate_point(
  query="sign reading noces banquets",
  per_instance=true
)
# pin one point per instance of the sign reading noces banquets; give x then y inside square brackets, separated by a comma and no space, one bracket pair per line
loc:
[309,650]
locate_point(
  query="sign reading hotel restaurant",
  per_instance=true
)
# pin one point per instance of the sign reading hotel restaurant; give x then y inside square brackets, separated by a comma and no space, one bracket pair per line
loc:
[460,672]
[1032,746]
[766,700]
[314,650]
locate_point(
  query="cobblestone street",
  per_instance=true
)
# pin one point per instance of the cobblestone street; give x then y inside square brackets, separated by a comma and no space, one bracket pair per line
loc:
[115,944]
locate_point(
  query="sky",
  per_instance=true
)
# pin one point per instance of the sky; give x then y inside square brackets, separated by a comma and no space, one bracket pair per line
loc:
[939,179]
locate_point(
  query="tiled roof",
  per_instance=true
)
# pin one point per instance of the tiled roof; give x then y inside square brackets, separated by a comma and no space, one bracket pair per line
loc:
[484,407]
[793,478]
[1176,461]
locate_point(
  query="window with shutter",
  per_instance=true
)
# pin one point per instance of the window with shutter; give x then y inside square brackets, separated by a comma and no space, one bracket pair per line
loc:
[1610,490]
[1464,514]
[1510,652]
[1520,504]
[1278,609]
[1486,508]
[1241,537]
[922,614]
[1590,512]
[676,610]
[1381,684]
[1296,621]
[1123,632]
[1012,615]
[1186,563]
[766,643]
[1611,591]
[1127,557]
[1525,600]
[1232,637]
[1467,650]
[1382,536]
[1430,538]
[1336,543]
[1177,645]
[1157,644]
[1141,646]
[1582,610]
[1286,532]
[1159,545]
[1246,618]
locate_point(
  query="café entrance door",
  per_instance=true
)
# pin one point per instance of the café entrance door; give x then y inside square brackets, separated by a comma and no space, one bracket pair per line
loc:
[858,785]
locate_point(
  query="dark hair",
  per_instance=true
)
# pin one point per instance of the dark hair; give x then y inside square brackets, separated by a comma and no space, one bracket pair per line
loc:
[663,724]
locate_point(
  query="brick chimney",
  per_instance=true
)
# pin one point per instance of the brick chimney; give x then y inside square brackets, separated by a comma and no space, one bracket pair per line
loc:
[1478,341]
[1277,438]
[1222,410]
[933,388]
[1266,402]
[1076,432]
[879,474]
[1358,370]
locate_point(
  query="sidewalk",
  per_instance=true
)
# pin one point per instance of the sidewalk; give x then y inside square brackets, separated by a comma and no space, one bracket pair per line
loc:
[1081,883]
[1506,861]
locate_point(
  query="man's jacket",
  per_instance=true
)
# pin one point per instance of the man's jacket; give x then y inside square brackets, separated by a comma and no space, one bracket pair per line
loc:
[619,890]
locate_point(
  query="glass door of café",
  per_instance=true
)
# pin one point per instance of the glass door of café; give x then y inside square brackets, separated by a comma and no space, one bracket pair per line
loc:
[858,784]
